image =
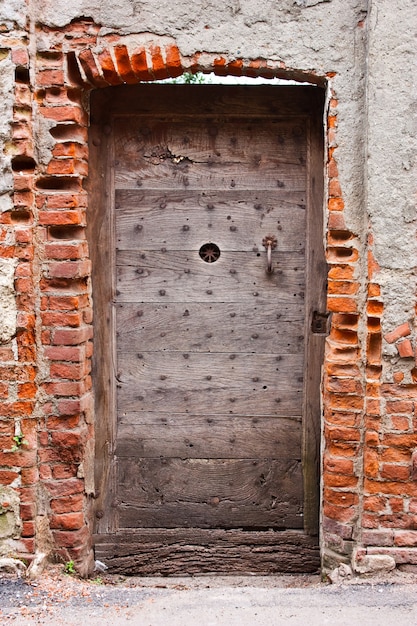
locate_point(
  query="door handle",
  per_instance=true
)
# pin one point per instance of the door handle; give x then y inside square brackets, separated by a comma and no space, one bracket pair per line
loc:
[269,242]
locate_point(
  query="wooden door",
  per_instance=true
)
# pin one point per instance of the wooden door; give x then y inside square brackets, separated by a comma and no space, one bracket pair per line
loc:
[207,368]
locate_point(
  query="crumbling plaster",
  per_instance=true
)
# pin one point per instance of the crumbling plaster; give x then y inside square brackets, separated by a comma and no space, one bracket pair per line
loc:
[314,36]
[7,300]
[6,114]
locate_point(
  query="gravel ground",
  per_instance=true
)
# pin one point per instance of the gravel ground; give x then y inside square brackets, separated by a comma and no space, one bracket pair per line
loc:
[56,598]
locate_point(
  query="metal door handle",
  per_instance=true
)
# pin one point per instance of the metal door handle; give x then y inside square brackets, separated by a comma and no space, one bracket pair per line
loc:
[269,242]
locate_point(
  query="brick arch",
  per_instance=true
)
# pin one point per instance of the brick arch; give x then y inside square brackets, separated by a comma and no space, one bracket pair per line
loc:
[129,63]
[77,63]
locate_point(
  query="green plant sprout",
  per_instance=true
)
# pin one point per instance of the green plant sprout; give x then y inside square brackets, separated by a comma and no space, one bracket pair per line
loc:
[70,568]
[19,441]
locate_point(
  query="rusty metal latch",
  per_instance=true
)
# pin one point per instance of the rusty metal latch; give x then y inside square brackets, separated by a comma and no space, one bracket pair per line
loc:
[269,242]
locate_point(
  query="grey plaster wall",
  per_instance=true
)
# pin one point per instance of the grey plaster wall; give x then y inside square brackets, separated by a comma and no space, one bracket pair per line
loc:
[392,151]
[13,14]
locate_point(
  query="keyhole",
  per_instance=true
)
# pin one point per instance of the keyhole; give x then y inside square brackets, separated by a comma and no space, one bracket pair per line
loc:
[209,252]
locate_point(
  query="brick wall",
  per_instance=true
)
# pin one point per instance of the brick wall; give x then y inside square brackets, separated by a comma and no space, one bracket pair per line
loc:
[369,462]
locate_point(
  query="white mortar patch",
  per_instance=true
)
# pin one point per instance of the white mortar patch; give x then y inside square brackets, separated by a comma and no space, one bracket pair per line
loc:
[7,300]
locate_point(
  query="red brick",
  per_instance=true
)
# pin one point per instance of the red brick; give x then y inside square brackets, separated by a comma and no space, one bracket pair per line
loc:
[342,287]
[64,353]
[374,291]
[343,449]
[61,218]
[341,514]
[27,391]
[68,504]
[139,64]
[173,61]
[401,331]
[71,371]
[123,64]
[340,498]
[341,304]
[28,545]
[71,337]
[45,471]
[392,471]
[219,65]
[332,170]
[159,69]
[64,388]
[67,303]
[20,56]
[398,377]
[72,251]
[336,221]
[336,204]
[64,470]
[344,385]
[395,455]
[27,511]
[339,480]
[63,422]
[50,78]
[335,190]
[28,529]
[343,418]
[339,466]
[71,538]
[8,476]
[73,407]
[29,476]
[405,537]
[405,348]
[378,538]
[375,504]
[69,269]
[59,200]
[90,68]
[64,114]
[68,487]
[235,68]
[346,402]
[62,319]
[390,487]
[108,69]
[70,149]
[400,422]
[405,441]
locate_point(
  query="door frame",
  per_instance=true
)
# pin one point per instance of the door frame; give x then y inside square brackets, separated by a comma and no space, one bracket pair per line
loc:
[307,102]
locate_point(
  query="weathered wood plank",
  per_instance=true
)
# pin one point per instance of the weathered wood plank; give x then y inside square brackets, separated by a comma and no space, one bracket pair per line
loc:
[213,383]
[315,344]
[151,552]
[176,276]
[224,140]
[209,177]
[198,327]
[219,154]
[209,493]
[150,435]
[195,101]
[184,220]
